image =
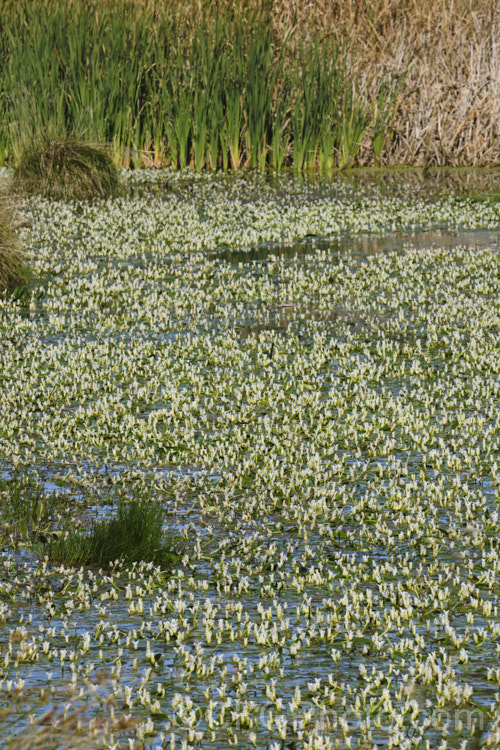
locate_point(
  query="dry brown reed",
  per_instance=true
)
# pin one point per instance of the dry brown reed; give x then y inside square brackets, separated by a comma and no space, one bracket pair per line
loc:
[449,52]
[70,722]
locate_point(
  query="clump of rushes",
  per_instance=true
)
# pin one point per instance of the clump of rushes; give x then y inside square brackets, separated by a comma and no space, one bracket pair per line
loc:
[67,169]
[134,534]
[13,272]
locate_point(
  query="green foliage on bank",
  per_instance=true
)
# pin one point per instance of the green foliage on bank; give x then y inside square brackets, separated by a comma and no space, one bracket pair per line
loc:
[226,94]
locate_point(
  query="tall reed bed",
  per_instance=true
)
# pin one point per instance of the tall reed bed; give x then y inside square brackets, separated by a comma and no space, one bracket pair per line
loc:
[446,55]
[220,90]
[259,83]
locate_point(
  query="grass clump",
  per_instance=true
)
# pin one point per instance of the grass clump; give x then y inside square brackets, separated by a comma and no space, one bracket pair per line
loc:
[135,534]
[67,169]
[13,272]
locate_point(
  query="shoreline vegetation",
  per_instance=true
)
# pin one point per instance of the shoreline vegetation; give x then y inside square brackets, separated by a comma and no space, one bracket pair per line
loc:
[260,85]
[14,275]
[67,170]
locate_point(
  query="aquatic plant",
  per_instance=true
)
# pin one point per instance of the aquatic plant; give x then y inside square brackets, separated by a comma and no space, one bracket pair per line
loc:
[67,169]
[320,421]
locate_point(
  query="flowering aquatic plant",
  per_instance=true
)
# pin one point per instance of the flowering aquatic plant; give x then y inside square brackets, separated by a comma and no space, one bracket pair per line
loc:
[320,428]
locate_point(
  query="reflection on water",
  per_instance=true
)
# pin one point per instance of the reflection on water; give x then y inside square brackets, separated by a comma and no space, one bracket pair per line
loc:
[364,245]
[432,182]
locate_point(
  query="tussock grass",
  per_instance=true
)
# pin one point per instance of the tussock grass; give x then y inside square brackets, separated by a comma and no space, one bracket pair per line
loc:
[135,534]
[67,169]
[13,272]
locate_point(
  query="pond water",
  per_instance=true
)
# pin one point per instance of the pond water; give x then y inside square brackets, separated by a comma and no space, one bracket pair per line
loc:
[365,245]
[309,386]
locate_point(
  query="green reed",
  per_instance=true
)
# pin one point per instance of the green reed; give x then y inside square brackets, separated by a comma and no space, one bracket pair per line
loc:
[226,93]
